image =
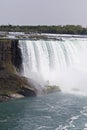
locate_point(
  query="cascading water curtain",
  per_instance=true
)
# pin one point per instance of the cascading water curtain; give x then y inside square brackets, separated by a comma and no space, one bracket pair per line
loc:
[62,63]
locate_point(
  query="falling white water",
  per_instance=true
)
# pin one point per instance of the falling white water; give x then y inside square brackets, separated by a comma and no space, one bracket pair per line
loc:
[61,63]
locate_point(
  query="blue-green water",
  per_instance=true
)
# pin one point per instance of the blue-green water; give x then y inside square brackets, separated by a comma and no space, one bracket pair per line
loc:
[56,111]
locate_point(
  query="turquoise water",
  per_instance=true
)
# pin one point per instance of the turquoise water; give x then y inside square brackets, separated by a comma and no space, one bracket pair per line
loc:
[56,111]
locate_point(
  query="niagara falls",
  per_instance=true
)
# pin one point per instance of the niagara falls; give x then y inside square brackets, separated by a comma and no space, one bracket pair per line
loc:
[43,65]
[57,67]
[61,63]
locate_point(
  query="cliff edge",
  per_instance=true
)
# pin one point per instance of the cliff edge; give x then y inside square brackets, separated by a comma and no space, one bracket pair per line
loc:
[12,85]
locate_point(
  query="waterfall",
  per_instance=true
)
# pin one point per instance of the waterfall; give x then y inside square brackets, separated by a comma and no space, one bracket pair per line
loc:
[62,63]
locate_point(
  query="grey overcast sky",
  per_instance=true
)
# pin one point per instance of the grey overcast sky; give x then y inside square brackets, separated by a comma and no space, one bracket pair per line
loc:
[43,12]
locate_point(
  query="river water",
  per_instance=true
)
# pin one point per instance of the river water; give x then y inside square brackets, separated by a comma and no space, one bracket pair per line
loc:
[57,111]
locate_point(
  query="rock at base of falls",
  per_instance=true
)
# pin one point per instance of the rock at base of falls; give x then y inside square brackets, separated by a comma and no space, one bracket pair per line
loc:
[51,89]
[11,83]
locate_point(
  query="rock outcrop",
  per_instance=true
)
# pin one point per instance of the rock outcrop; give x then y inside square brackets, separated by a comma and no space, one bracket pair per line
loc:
[11,83]
[51,89]
[16,56]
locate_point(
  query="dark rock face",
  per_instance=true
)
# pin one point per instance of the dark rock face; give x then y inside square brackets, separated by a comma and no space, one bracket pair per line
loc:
[5,53]
[16,56]
[10,64]
[13,83]
[4,98]
[10,54]
[27,92]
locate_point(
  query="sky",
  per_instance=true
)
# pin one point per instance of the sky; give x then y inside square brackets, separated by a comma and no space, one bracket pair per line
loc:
[43,12]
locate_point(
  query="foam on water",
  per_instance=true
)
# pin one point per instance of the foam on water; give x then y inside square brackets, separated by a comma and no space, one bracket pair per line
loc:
[72,122]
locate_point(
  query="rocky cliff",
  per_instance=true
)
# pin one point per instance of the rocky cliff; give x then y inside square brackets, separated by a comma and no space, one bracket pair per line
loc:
[11,83]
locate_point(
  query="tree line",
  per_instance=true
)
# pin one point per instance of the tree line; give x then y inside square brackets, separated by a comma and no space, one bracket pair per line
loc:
[67,29]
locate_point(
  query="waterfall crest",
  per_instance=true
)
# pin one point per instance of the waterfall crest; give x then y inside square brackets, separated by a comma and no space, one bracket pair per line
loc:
[62,63]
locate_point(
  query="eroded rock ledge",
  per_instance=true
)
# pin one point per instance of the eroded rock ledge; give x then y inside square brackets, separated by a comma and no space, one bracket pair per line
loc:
[12,85]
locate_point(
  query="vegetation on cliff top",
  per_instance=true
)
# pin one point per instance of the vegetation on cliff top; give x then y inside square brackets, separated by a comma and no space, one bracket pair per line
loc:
[67,29]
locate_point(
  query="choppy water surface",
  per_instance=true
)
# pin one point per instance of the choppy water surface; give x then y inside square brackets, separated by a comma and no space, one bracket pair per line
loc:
[56,111]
